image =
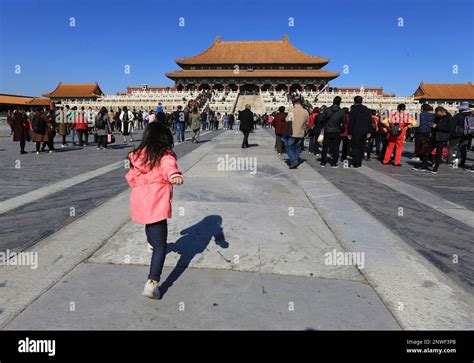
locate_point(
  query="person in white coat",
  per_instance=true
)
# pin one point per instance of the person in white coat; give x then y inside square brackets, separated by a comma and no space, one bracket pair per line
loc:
[126,118]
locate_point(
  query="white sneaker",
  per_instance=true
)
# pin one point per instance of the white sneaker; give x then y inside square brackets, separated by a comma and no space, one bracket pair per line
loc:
[37,153]
[151,290]
[50,151]
[415,158]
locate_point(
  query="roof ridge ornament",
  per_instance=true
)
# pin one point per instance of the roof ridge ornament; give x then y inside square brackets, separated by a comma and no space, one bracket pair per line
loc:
[217,39]
[285,38]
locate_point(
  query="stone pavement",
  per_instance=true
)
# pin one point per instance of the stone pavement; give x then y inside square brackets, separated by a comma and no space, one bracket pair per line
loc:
[247,250]
[424,226]
[51,184]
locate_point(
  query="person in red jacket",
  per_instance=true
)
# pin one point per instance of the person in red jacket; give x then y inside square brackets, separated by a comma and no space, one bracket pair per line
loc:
[79,124]
[345,134]
[311,134]
[373,132]
[397,124]
[279,122]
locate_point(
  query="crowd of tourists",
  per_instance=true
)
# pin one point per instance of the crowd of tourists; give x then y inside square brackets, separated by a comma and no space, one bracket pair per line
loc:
[336,133]
[40,126]
[77,125]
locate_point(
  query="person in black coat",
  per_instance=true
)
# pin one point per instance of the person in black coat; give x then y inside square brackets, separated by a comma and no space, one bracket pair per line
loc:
[246,124]
[441,131]
[458,137]
[332,120]
[360,123]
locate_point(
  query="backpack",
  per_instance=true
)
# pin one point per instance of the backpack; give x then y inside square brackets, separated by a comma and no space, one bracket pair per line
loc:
[332,115]
[38,124]
[100,123]
[395,129]
[469,125]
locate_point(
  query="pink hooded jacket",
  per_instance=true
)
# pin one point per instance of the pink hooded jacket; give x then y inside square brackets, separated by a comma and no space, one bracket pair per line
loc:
[152,191]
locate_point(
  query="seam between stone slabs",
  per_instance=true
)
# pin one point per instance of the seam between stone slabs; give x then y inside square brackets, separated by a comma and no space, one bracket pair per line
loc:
[91,216]
[18,201]
[88,261]
[405,322]
[438,203]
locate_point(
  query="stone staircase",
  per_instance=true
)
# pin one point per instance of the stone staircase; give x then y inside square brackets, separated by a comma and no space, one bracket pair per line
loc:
[254,101]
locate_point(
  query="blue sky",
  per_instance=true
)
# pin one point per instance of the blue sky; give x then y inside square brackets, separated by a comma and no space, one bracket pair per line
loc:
[145,34]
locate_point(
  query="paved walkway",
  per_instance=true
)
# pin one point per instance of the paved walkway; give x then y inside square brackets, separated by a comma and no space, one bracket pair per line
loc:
[248,250]
[431,213]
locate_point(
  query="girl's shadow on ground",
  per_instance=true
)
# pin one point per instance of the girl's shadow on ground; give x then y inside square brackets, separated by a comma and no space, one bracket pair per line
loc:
[194,242]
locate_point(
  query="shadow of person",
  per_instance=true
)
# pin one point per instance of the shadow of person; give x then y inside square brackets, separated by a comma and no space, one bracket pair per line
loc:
[193,242]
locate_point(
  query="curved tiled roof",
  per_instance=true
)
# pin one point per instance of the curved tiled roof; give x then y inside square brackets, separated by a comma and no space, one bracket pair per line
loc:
[434,91]
[264,73]
[22,100]
[253,52]
[75,90]
[39,101]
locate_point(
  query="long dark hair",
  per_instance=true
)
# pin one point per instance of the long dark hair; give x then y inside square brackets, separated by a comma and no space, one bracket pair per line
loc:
[157,142]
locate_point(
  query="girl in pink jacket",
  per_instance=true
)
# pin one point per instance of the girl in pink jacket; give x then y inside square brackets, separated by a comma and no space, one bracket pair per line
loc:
[153,171]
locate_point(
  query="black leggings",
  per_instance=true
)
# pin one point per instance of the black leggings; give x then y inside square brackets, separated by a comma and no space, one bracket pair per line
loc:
[157,235]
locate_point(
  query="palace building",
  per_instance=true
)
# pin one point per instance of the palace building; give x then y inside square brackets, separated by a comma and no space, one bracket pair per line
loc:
[81,91]
[9,102]
[449,93]
[252,66]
